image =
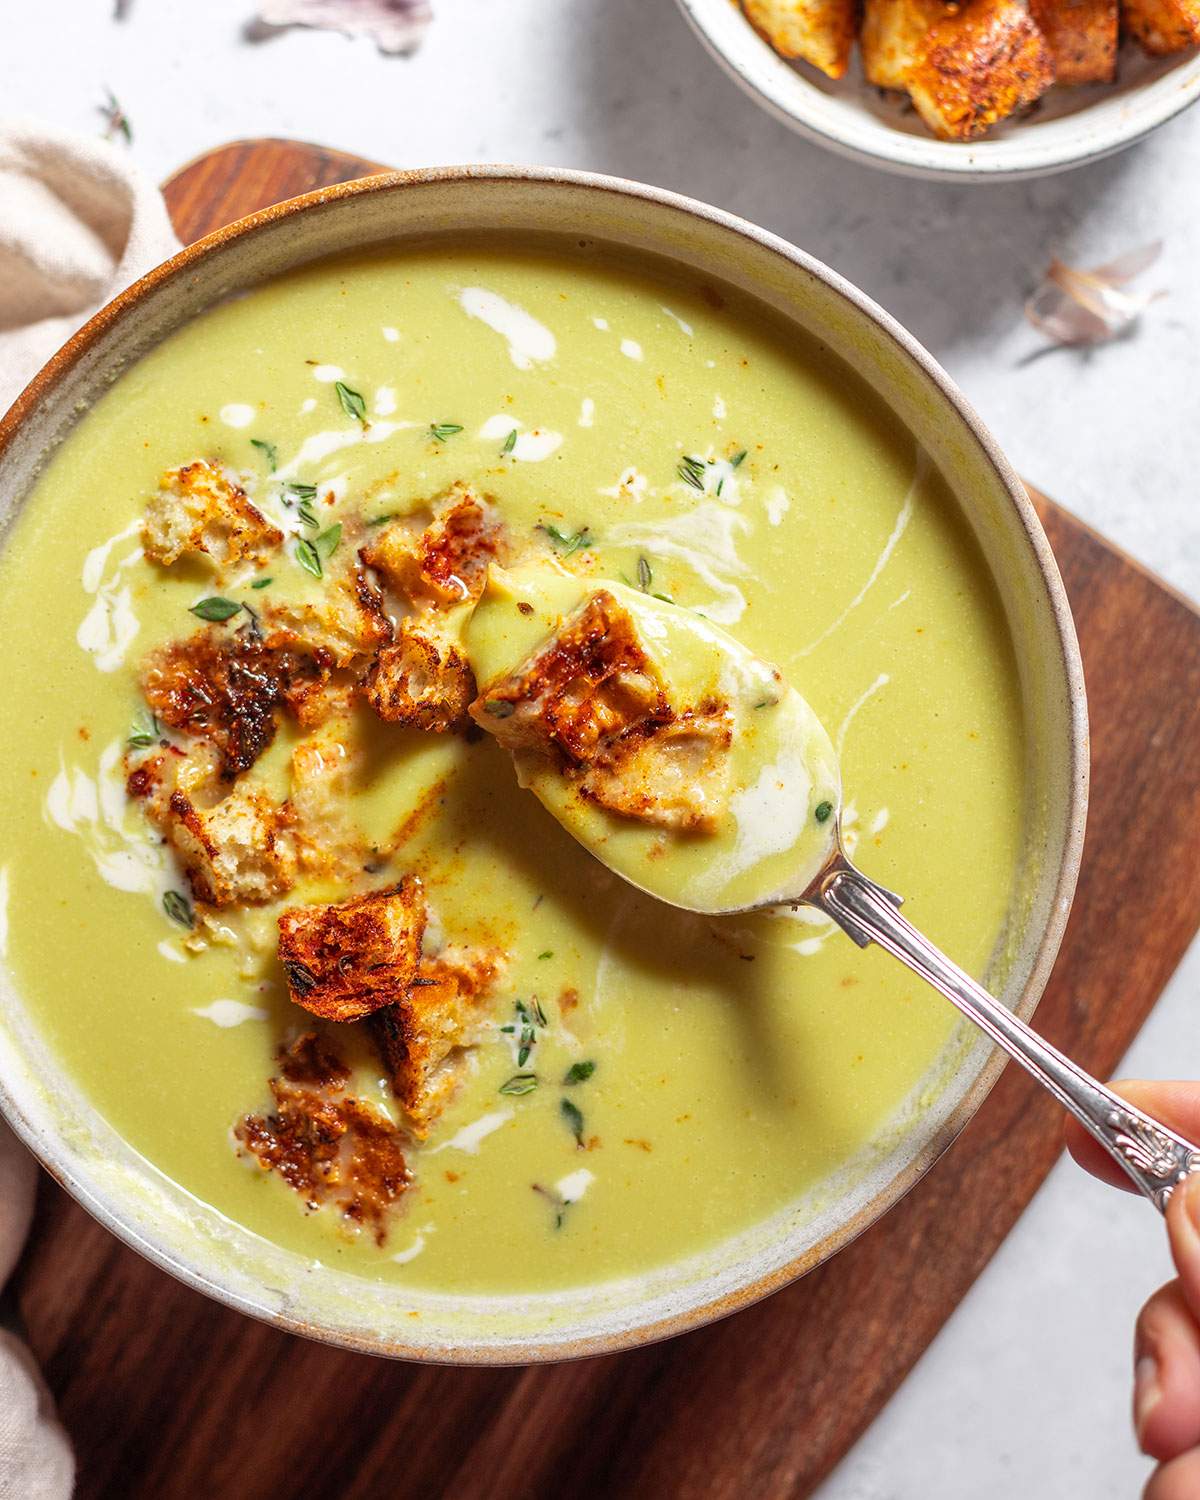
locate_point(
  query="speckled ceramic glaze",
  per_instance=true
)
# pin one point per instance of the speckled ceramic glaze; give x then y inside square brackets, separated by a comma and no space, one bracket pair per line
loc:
[208,1252]
[1068,128]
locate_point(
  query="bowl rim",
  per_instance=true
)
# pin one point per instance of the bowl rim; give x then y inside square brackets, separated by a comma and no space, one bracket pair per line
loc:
[52,1152]
[770,79]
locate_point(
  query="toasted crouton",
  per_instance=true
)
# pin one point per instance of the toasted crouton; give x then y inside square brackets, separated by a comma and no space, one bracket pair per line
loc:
[592,680]
[1162,26]
[424,1037]
[422,680]
[345,629]
[440,561]
[347,960]
[328,841]
[201,508]
[674,775]
[1082,37]
[327,1146]
[893,37]
[820,32]
[979,67]
[237,853]
[222,687]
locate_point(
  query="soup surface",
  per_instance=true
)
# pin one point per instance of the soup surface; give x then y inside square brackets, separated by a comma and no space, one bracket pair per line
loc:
[691,1074]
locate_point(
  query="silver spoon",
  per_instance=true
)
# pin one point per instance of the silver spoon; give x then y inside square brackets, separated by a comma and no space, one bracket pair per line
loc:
[1154,1157]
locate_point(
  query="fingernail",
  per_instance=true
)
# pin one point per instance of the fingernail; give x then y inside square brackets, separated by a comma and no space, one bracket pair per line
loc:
[1191,1199]
[1146,1392]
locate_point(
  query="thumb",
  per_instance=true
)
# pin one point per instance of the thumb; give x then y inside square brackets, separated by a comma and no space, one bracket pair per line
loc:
[1183,1229]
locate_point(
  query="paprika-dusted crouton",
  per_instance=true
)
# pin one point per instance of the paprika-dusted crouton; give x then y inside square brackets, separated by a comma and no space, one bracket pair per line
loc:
[237,853]
[346,627]
[1162,26]
[591,680]
[440,561]
[223,687]
[820,32]
[201,508]
[591,700]
[329,1147]
[893,37]
[421,679]
[675,775]
[346,960]
[1082,37]
[979,67]
[423,1038]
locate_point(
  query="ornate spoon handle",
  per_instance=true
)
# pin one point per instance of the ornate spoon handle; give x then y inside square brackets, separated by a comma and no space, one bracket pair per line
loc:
[1155,1158]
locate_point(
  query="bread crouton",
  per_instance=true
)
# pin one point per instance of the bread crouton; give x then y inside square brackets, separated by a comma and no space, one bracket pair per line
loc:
[1162,26]
[1082,37]
[346,960]
[675,775]
[329,1147]
[222,687]
[236,853]
[423,1038]
[328,842]
[201,508]
[345,628]
[422,679]
[979,67]
[443,560]
[820,32]
[893,37]
[591,680]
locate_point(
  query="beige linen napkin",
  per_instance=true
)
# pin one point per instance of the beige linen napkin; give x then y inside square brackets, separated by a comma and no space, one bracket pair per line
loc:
[77,224]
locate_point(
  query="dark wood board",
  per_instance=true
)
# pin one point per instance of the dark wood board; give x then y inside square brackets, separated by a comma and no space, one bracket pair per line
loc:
[168,1395]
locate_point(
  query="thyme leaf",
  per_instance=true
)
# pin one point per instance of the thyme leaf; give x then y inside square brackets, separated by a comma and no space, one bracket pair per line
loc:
[823,811]
[144,729]
[519,1083]
[261,583]
[440,431]
[579,1072]
[309,558]
[737,459]
[644,574]
[510,442]
[178,908]
[569,542]
[268,451]
[301,491]
[573,1115]
[116,121]
[352,403]
[215,608]
[691,471]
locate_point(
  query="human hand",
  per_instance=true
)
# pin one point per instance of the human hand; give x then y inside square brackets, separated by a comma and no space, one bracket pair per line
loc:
[1166,1388]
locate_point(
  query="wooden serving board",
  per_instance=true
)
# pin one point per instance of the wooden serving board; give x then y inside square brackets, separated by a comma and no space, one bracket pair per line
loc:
[168,1395]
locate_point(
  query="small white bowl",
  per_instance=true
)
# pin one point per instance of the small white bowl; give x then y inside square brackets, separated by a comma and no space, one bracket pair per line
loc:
[1069,127]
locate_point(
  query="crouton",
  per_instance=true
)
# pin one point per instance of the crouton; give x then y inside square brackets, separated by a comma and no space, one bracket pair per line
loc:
[675,775]
[236,853]
[328,1147]
[425,1036]
[222,687]
[201,508]
[440,561]
[328,842]
[1082,37]
[422,680]
[1162,26]
[346,960]
[344,629]
[820,32]
[893,37]
[592,680]
[979,67]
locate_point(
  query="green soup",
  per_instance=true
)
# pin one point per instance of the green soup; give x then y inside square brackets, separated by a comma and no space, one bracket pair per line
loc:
[738,1062]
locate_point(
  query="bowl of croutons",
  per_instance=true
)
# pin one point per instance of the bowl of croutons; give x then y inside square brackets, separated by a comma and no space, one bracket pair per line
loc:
[971,89]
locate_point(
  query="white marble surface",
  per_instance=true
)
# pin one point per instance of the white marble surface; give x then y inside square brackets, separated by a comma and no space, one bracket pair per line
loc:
[1025,1392]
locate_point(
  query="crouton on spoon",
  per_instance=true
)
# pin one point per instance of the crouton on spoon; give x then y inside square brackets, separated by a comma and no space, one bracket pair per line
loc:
[685,764]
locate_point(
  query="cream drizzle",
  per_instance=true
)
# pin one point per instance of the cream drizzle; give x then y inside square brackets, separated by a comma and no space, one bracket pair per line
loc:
[675,318]
[587,412]
[530,447]
[110,626]
[631,349]
[529,341]
[882,560]
[631,485]
[704,539]
[852,712]
[574,1185]
[227,1013]
[236,414]
[468,1139]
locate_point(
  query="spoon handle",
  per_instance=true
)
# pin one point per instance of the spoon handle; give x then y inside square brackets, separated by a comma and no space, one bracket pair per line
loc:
[1155,1158]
